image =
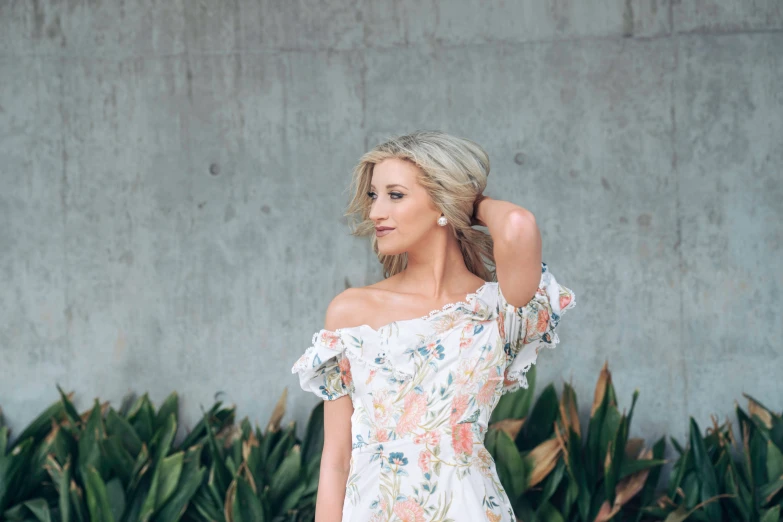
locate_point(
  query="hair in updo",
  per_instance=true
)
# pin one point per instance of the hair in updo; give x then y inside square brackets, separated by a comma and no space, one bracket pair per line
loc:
[454,172]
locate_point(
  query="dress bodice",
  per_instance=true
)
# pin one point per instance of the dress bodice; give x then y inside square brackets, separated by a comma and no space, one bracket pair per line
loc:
[426,387]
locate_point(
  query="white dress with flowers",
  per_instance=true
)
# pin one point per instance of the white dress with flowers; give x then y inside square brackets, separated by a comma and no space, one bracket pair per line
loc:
[423,391]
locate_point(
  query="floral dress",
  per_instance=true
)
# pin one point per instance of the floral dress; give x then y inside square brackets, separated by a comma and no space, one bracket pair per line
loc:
[423,391]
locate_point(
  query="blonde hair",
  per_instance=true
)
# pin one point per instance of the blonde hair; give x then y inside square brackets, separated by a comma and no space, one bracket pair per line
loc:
[454,172]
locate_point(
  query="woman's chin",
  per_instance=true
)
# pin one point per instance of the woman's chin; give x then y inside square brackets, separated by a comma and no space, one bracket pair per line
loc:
[388,250]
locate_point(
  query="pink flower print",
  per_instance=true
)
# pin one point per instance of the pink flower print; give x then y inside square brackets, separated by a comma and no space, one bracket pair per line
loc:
[491,517]
[302,361]
[462,438]
[409,511]
[345,372]
[458,406]
[382,407]
[415,406]
[486,393]
[484,462]
[466,371]
[543,320]
[425,457]
[565,300]
[501,326]
[466,336]
[381,435]
[432,350]
[446,322]
[330,339]
[432,438]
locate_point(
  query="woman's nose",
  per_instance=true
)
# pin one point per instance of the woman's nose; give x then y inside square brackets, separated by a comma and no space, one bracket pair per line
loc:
[377,211]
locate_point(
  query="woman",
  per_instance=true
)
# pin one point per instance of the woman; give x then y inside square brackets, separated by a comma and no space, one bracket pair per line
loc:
[411,367]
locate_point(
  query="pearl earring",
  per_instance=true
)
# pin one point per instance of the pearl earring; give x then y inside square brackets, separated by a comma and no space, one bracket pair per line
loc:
[442,221]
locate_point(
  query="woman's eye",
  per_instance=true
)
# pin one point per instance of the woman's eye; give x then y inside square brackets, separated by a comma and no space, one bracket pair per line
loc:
[394,195]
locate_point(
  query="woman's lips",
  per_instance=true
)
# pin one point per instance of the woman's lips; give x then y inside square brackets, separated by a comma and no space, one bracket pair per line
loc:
[381,233]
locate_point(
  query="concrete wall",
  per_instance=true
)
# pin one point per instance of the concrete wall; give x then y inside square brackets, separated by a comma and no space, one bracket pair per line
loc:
[173,176]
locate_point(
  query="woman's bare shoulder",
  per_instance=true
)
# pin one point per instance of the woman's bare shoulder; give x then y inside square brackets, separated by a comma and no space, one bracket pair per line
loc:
[347,308]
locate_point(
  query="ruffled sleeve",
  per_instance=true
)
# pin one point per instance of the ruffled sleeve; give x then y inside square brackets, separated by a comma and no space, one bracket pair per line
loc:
[323,368]
[527,328]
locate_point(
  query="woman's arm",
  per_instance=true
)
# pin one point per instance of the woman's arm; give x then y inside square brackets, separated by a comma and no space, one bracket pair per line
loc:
[517,248]
[336,455]
[335,460]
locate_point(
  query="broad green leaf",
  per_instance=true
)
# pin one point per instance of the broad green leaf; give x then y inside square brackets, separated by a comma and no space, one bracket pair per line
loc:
[220,476]
[770,490]
[140,468]
[117,458]
[61,477]
[97,497]
[774,461]
[246,507]
[13,466]
[79,512]
[70,410]
[553,480]
[678,515]
[89,449]
[169,407]
[648,492]
[121,428]
[173,510]
[164,482]
[547,513]
[42,425]
[539,425]
[313,442]
[286,476]
[163,438]
[580,491]
[291,500]
[143,420]
[771,515]
[170,470]
[40,509]
[286,440]
[738,499]
[115,492]
[677,446]
[630,467]
[681,467]
[516,404]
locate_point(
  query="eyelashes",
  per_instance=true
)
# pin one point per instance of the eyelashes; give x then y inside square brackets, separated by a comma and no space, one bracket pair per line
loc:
[392,194]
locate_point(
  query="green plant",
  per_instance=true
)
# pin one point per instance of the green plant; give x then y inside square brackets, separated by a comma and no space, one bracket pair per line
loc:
[257,476]
[102,465]
[718,478]
[125,466]
[552,472]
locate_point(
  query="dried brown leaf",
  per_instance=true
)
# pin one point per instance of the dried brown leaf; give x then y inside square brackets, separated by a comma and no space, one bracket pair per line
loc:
[510,426]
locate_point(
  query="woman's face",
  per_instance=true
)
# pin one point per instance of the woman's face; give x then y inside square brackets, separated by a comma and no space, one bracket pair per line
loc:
[401,203]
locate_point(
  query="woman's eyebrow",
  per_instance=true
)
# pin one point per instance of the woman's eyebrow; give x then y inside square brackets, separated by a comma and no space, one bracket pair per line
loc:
[392,185]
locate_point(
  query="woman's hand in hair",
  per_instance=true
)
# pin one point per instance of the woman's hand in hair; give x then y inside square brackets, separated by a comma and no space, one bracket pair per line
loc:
[474,220]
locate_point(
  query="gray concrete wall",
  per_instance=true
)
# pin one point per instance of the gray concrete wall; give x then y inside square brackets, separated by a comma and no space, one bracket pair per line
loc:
[174,173]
